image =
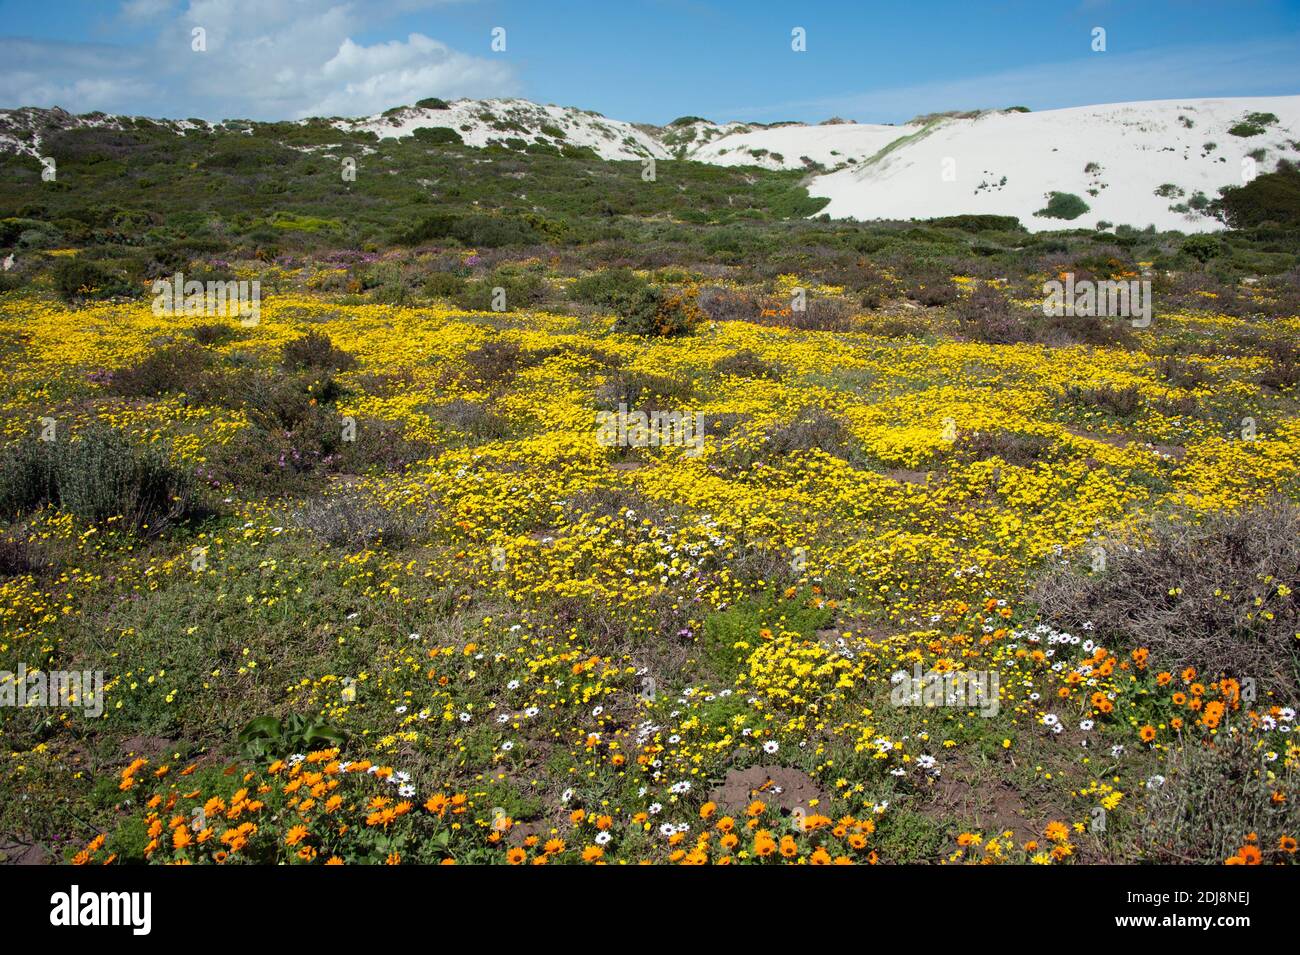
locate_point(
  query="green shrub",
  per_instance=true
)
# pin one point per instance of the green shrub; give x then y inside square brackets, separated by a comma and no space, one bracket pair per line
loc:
[438,136]
[978,223]
[97,475]
[1063,205]
[444,284]
[1273,197]
[1254,124]
[659,312]
[521,289]
[315,350]
[27,479]
[608,288]
[77,279]
[164,371]
[1202,247]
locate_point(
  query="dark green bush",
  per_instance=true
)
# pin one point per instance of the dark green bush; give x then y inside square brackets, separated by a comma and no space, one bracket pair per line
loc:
[659,312]
[1202,247]
[608,288]
[77,279]
[521,289]
[173,368]
[315,350]
[979,223]
[96,475]
[438,136]
[444,284]
[1063,205]
[1273,197]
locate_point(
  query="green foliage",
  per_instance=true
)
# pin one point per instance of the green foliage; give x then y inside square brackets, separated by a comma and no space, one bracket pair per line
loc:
[170,369]
[1202,247]
[1254,124]
[97,475]
[315,350]
[479,231]
[77,279]
[1273,197]
[608,288]
[658,312]
[729,637]
[444,284]
[1063,205]
[978,223]
[438,136]
[267,738]
[521,289]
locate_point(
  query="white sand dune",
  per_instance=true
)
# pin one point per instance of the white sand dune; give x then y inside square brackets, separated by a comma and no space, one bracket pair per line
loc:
[1115,157]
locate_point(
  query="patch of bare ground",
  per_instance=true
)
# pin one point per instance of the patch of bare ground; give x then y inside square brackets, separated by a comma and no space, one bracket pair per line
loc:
[1174,452]
[905,476]
[149,746]
[783,787]
[21,850]
[973,797]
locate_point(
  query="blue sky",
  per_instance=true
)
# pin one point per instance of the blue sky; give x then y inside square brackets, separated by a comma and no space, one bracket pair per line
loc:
[640,60]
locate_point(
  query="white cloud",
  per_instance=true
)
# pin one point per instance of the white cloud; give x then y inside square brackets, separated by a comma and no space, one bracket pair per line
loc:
[264,59]
[78,77]
[361,80]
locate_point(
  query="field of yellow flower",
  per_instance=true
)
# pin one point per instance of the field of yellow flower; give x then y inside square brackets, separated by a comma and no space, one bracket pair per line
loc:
[418,613]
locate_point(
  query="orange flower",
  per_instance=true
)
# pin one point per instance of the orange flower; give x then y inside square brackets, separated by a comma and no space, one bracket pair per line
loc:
[1057,831]
[516,856]
[1147,733]
[437,804]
